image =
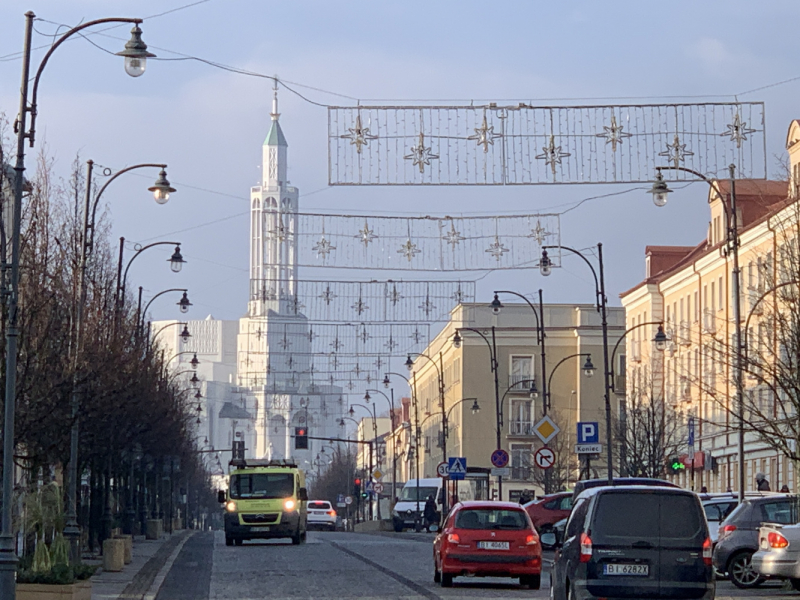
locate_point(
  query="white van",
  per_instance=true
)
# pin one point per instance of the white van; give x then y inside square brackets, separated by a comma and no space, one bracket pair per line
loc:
[411,503]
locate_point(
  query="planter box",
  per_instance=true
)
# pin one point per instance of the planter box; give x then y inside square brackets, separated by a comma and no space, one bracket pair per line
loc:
[80,590]
[113,555]
[128,541]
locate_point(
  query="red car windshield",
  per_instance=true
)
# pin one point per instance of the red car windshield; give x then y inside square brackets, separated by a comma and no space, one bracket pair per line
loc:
[490,518]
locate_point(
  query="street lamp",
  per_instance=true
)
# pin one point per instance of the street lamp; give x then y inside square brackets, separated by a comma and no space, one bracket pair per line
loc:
[660,339]
[409,363]
[176,260]
[660,190]
[496,305]
[185,335]
[135,53]
[8,557]
[588,367]
[161,188]
[194,362]
[545,264]
[183,303]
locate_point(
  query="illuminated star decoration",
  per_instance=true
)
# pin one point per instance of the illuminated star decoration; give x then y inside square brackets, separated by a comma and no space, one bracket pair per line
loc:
[485,135]
[421,155]
[312,335]
[379,362]
[676,152]
[391,344]
[359,306]
[366,235]
[334,361]
[552,154]
[336,344]
[359,135]
[394,296]
[497,249]
[613,134]
[284,342]
[539,233]
[427,306]
[364,335]
[453,237]
[328,296]
[295,305]
[738,131]
[323,247]
[416,336]
[458,295]
[409,250]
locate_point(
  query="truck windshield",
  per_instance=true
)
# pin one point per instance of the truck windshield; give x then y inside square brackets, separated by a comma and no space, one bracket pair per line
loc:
[262,485]
[409,494]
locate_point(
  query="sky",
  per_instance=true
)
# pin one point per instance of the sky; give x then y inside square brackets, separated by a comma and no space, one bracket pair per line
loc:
[208,124]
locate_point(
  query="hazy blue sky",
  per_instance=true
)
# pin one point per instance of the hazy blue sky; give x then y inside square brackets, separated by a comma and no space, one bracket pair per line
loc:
[209,124]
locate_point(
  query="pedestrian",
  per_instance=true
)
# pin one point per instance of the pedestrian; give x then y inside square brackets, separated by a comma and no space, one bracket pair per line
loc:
[524,498]
[785,489]
[704,490]
[429,513]
[762,485]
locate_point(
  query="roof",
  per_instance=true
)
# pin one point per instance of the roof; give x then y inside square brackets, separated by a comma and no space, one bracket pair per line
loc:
[230,411]
[275,136]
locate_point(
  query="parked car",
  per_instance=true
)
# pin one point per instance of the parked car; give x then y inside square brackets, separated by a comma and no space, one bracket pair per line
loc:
[487,539]
[738,536]
[719,506]
[634,542]
[778,554]
[586,484]
[548,510]
[548,542]
[321,514]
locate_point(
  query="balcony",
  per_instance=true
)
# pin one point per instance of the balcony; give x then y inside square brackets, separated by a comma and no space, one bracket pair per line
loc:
[520,427]
[520,383]
[709,321]
[685,334]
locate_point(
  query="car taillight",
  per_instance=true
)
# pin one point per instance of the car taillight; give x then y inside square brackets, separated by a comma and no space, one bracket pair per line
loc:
[586,548]
[332,513]
[776,540]
[453,538]
[707,547]
[531,540]
[726,529]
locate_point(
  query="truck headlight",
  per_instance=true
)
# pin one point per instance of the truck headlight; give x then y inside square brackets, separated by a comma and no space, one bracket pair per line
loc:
[288,505]
[231,506]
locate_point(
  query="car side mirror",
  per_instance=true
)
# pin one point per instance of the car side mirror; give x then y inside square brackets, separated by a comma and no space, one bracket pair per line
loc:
[221,496]
[302,495]
[549,540]
[434,528]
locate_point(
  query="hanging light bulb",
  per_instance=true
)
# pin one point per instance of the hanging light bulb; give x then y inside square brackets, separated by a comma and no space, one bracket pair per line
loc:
[135,53]
[161,188]
[176,260]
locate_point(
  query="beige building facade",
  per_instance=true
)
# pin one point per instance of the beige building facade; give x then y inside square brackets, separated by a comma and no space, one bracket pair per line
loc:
[467,375]
[689,289]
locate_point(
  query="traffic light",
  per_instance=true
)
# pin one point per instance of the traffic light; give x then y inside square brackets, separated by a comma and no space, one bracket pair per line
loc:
[675,465]
[357,487]
[301,438]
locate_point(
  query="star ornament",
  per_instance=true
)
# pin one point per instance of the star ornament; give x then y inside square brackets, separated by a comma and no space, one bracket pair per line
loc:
[738,131]
[552,154]
[613,133]
[497,249]
[676,152]
[485,135]
[359,306]
[539,233]
[328,296]
[421,154]
[409,250]
[453,237]
[323,247]
[359,135]
[366,235]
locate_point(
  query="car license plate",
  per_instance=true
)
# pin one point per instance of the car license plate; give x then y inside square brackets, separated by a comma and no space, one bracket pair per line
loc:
[260,528]
[625,569]
[493,545]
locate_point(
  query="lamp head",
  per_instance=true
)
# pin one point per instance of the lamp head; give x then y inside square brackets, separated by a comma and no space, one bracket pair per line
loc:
[176,260]
[545,264]
[367,397]
[341,422]
[496,305]
[135,53]
[457,340]
[409,363]
[194,362]
[185,335]
[184,304]
[351,412]
[194,379]
[198,395]
[588,367]
[660,339]
[660,190]
[476,408]
[161,188]
[534,391]
[386,381]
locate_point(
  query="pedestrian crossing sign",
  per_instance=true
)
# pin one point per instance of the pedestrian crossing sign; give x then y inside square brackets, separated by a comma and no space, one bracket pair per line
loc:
[457,467]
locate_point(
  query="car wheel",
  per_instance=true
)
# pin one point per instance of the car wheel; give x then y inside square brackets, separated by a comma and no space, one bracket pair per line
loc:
[795,584]
[447,580]
[228,541]
[398,527]
[534,582]
[741,572]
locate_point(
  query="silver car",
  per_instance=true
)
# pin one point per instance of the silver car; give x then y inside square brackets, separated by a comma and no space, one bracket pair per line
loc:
[778,554]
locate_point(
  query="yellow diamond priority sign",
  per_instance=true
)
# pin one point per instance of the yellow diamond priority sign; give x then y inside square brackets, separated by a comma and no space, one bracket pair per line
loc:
[377,474]
[546,429]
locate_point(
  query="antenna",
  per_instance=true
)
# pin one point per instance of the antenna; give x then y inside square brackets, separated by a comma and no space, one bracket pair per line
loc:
[275,114]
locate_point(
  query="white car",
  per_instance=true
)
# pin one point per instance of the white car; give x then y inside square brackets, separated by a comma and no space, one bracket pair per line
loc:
[321,514]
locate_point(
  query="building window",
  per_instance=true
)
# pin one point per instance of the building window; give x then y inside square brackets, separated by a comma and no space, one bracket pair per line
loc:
[521,461]
[521,373]
[520,417]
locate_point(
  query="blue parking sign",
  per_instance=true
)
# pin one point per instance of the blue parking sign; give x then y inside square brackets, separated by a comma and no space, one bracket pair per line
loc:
[588,432]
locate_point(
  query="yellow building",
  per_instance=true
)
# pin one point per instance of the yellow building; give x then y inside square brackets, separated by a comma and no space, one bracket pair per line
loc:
[571,329]
[689,289]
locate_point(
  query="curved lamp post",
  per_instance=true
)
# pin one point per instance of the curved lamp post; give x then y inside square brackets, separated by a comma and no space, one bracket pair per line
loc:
[176,262]
[660,193]
[545,267]
[183,303]
[136,52]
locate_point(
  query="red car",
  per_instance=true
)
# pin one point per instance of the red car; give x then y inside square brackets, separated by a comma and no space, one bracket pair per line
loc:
[548,510]
[487,539]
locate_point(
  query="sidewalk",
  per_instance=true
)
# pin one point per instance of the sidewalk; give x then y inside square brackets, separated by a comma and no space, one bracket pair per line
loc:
[137,578]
